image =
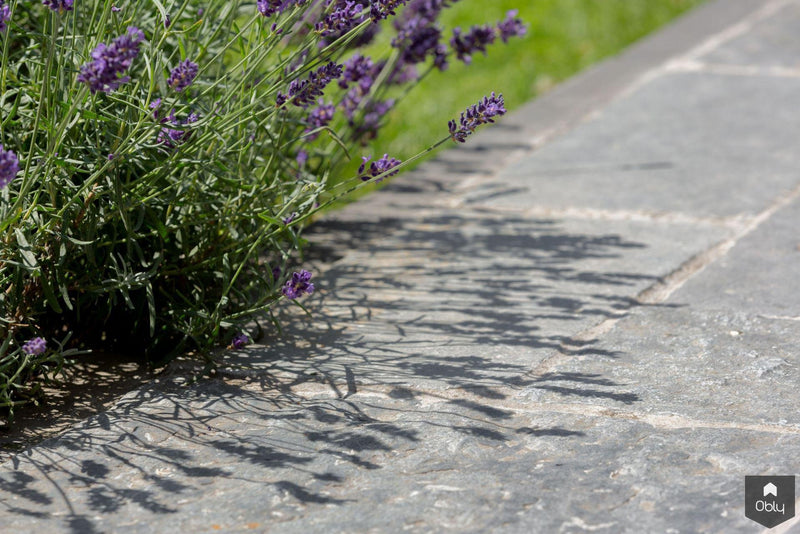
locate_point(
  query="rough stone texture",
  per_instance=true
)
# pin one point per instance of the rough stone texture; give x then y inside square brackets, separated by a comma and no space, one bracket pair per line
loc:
[567,327]
[652,150]
[771,43]
[235,457]
[759,276]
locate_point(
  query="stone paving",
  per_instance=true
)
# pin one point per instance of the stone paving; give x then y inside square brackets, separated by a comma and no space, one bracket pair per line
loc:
[584,320]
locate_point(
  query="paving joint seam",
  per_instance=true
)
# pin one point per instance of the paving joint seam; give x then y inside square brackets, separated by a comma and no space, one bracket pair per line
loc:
[708,45]
[715,41]
[725,69]
[661,290]
[733,222]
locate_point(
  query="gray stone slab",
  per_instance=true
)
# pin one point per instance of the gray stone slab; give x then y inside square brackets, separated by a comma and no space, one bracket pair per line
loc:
[230,457]
[759,276]
[771,42]
[692,143]
[718,366]
[469,300]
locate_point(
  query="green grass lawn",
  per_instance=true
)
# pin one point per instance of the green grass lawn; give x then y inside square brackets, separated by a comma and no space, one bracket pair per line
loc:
[564,37]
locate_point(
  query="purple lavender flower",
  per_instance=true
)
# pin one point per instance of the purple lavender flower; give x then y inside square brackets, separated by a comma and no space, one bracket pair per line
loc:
[356,68]
[319,117]
[9,166]
[376,168]
[288,220]
[269,7]
[35,346]
[382,9]
[370,122]
[511,26]
[476,39]
[298,285]
[301,158]
[345,16]
[239,341]
[167,22]
[154,105]
[426,9]
[417,40]
[115,9]
[276,273]
[5,14]
[171,137]
[183,75]
[108,62]
[59,6]
[475,115]
[301,93]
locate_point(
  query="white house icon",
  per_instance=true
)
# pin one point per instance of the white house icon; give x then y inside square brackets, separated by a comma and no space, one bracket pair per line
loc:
[770,489]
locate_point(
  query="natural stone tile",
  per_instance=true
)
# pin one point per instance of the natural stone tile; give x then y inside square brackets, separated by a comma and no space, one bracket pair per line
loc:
[675,145]
[771,42]
[717,366]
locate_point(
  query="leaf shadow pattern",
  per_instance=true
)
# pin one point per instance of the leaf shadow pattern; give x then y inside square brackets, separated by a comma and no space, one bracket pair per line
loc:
[422,329]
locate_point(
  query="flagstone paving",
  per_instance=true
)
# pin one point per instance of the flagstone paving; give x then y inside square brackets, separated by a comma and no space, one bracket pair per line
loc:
[584,320]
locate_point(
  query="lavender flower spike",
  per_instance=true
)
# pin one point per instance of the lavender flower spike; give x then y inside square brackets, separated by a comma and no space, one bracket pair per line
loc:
[35,346]
[9,166]
[480,113]
[58,5]
[183,75]
[239,341]
[108,62]
[511,26]
[377,168]
[476,39]
[301,93]
[5,14]
[269,7]
[345,16]
[298,285]
[382,9]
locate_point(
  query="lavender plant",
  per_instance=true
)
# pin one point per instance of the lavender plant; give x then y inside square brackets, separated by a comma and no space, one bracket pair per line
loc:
[158,161]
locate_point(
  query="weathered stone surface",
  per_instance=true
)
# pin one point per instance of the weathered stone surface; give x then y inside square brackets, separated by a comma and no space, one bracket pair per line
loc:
[771,43]
[710,366]
[234,457]
[759,276]
[692,143]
